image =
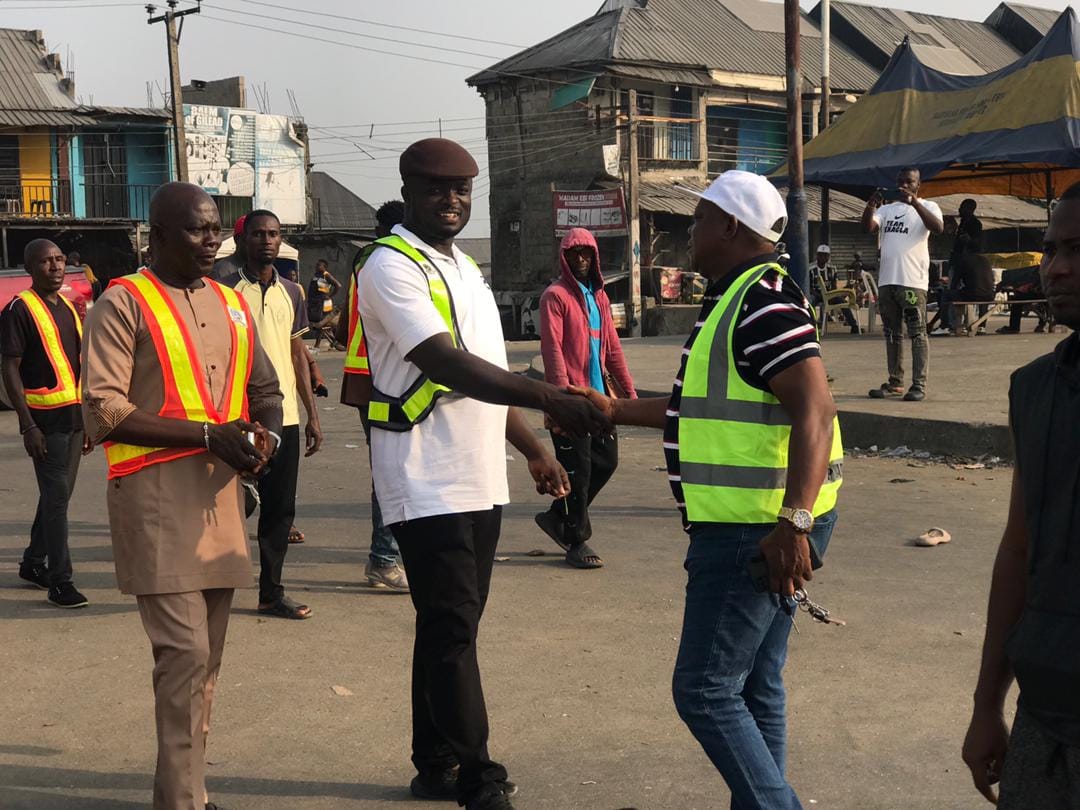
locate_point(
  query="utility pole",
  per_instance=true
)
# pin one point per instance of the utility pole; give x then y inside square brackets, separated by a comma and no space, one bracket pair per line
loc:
[826,92]
[172,37]
[798,249]
[633,244]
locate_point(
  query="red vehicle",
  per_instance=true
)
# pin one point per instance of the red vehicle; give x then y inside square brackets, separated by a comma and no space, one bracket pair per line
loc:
[76,289]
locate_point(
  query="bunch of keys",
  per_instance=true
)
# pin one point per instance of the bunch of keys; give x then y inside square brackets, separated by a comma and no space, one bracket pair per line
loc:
[816,611]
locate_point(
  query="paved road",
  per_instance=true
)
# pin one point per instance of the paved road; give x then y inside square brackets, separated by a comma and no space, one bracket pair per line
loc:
[577,664]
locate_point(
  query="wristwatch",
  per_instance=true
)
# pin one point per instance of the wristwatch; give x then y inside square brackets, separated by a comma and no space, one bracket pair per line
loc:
[801,519]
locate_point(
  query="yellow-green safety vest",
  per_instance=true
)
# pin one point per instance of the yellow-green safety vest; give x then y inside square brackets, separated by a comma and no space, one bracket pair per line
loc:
[733,437]
[404,412]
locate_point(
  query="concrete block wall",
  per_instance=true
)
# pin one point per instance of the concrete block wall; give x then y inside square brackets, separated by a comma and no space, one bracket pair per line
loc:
[530,147]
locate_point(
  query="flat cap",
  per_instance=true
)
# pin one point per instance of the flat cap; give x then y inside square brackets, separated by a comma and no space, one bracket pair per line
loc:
[438,158]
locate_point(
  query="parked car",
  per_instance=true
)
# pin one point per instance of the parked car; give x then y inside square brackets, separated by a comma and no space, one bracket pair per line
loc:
[76,289]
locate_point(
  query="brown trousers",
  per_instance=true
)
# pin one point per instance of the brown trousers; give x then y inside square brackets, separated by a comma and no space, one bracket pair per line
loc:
[187,634]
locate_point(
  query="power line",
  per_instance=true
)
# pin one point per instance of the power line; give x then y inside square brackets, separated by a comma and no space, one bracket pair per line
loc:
[359,33]
[382,25]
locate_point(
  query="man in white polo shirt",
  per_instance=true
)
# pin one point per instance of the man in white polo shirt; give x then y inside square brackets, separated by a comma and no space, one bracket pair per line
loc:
[904,226]
[439,421]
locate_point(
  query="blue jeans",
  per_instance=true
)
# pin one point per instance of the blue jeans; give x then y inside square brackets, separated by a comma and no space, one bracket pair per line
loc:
[384,548]
[728,684]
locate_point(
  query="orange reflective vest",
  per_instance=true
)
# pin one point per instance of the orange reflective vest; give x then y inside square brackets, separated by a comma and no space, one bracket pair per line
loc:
[356,356]
[186,393]
[68,390]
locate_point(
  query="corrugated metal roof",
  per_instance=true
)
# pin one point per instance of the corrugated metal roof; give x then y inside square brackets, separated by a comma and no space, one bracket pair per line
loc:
[479,248]
[669,198]
[995,211]
[663,75]
[125,112]
[874,32]
[27,80]
[1039,18]
[42,118]
[674,34]
[337,208]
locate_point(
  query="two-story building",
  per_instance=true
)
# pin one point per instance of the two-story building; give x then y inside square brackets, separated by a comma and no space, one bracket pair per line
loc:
[709,79]
[709,76]
[79,174]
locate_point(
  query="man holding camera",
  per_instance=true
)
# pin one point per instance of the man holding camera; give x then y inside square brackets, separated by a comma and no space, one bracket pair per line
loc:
[904,224]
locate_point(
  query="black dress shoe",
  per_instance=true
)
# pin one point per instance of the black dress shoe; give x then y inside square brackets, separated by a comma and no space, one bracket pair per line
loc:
[37,575]
[440,786]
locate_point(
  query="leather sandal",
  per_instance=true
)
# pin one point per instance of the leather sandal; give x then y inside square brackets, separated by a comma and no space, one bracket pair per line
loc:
[286,608]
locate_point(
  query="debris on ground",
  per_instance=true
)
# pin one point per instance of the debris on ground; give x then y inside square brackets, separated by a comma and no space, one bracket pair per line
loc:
[924,458]
[902,481]
[341,691]
[536,552]
[502,559]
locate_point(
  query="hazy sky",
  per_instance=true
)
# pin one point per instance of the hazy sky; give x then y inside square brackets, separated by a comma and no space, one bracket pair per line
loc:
[337,86]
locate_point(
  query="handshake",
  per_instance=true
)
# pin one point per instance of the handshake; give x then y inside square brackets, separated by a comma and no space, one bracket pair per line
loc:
[578,412]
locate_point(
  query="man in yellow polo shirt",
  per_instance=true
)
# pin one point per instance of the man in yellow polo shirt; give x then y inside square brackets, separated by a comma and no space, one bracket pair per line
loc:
[277,305]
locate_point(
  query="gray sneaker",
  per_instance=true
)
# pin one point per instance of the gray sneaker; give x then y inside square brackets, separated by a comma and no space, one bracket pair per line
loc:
[391,577]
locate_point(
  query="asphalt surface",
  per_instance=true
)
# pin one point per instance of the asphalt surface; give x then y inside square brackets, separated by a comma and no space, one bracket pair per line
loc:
[577,664]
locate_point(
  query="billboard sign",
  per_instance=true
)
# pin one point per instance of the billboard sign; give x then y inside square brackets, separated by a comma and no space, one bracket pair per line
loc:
[602,212]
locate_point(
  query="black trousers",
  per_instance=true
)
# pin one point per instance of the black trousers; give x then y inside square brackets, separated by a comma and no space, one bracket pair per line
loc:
[448,559]
[56,481]
[277,491]
[589,462]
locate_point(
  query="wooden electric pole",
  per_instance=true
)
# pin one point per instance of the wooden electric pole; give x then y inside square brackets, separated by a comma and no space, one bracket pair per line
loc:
[634,316]
[798,249]
[826,92]
[172,36]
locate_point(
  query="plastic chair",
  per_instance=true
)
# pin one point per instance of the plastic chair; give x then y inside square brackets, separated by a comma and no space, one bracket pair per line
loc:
[833,300]
[869,284]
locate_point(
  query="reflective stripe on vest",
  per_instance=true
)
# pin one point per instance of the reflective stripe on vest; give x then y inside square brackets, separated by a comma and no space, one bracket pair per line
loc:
[733,437]
[402,413]
[185,387]
[68,390]
[356,356]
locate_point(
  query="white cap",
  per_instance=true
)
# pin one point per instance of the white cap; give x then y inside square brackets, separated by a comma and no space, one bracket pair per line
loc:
[751,199]
[823,249]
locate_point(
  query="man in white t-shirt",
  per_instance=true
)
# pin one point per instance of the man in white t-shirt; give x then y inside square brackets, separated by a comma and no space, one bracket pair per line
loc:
[904,227]
[439,462]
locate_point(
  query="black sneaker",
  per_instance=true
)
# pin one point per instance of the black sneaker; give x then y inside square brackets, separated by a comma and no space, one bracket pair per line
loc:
[66,595]
[885,390]
[915,395]
[442,786]
[436,786]
[37,575]
[490,798]
[212,806]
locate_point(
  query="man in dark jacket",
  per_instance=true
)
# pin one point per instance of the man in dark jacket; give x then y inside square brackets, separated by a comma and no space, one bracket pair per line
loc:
[581,347]
[1033,622]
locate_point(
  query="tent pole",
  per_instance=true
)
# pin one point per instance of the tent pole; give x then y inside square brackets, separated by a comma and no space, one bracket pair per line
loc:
[797,238]
[826,91]
[1049,195]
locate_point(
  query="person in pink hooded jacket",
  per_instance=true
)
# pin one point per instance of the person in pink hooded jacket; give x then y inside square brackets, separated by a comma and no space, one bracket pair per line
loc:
[581,348]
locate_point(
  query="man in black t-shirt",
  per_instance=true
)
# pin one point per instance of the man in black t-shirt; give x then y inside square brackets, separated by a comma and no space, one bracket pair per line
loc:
[1033,621]
[40,341]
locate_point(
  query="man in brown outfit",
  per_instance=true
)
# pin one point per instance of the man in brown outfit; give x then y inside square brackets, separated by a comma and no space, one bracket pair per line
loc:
[173,371]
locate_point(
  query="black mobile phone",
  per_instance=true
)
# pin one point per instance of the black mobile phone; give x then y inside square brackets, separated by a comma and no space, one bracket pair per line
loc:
[889,195]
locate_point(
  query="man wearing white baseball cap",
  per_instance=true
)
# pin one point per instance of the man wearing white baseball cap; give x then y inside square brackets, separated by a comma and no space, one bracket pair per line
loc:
[755,461]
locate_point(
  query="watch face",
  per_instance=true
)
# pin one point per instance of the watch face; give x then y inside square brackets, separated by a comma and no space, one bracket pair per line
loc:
[803,520]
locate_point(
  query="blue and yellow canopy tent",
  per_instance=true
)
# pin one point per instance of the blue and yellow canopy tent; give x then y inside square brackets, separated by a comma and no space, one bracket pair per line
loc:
[1014,132]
